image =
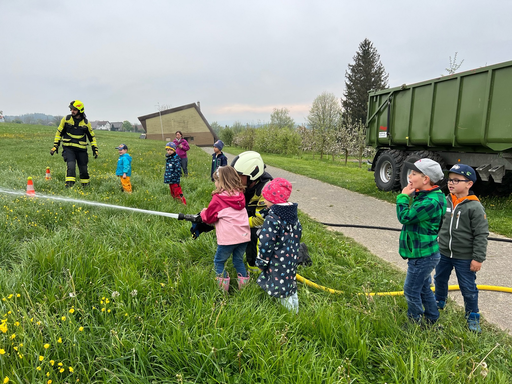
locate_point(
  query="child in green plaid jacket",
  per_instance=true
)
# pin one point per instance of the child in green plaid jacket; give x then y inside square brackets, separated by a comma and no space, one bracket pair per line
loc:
[421,219]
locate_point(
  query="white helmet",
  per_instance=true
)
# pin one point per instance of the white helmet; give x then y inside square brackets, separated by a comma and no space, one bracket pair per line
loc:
[249,164]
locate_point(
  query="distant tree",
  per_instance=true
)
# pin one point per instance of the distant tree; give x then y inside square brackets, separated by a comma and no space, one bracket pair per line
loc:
[453,65]
[227,135]
[127,126]
[56,120]
[323,119]
[365,74]
[216,128]
[280,118]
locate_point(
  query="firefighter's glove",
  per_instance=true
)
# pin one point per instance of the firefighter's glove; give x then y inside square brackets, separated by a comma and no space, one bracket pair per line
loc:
[198,228]
[95,153]
[53,150]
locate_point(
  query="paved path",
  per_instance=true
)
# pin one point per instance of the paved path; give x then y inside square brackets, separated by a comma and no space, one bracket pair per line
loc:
[330,204]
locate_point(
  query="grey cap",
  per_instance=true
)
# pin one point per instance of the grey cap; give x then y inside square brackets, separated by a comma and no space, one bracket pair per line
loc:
[428,167]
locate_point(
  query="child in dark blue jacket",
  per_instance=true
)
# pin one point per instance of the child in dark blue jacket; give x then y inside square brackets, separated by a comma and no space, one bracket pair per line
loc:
[218,158]
[172,175]
[279,245]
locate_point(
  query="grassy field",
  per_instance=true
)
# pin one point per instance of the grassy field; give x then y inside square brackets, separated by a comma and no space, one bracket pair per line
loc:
[351,177]
[92,294]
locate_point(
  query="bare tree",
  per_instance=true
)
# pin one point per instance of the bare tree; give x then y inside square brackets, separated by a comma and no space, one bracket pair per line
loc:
[324,117]
[453,65]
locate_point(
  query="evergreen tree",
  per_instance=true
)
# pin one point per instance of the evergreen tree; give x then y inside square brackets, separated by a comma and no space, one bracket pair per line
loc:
[367,73]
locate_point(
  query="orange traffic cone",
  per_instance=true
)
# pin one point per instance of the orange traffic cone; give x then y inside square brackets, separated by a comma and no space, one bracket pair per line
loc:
[30,187]
[48,174]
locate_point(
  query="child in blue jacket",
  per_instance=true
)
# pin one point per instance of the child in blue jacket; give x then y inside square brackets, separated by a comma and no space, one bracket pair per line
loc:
[124,168]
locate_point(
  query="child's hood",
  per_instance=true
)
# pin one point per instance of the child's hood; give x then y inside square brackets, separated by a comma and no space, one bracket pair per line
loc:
[287,212]
[236,201]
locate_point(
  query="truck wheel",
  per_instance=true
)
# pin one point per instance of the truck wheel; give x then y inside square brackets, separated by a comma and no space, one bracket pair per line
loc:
[412,157]
[387,170]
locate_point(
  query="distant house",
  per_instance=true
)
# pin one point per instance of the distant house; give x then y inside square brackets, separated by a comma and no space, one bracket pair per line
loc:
[117,126]
[188,119]
[104,125]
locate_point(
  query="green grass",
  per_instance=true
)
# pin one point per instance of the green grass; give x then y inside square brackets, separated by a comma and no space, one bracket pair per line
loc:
[125,297]
[353,178]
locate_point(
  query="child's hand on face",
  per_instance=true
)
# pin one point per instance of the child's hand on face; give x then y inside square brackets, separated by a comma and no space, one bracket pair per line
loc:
[408,190]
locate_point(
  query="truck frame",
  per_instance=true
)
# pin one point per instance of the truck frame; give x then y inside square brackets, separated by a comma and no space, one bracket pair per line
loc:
[460,118]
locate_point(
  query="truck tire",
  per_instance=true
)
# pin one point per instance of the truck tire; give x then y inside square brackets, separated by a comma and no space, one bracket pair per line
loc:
[412,157]
[387,170]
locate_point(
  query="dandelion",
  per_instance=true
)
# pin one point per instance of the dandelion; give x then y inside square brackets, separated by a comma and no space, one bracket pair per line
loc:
[13,336]
[2,351]
[71,369]
[3,327]
[52,362]
[18,295]
[6,380]
[63,318]
[61,370]
[71,310]
[38,368]
[107,301]
[60,340]
[10,296]
[115,294]
[17,323]
[41,358]
[49,382]
[162,284]
[60,364]
[81,329]
[46,346]
[102,309]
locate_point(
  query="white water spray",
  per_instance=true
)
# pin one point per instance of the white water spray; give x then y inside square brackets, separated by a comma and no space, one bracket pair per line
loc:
[179,216]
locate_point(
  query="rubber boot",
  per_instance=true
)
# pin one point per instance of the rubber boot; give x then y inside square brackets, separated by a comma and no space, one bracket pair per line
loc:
[223,282]
[474,322]
[242,280]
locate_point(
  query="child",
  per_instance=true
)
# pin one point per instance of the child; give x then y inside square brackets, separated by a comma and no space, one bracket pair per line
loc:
[421,219]
[124,168]
[279,244]
[227,211]
[462,242]
[172,173]
[218,158]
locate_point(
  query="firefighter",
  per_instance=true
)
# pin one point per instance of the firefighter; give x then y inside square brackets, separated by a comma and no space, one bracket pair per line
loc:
[73,131]
[251,169]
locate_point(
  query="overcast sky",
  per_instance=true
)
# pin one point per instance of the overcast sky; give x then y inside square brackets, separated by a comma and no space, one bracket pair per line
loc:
[239,58]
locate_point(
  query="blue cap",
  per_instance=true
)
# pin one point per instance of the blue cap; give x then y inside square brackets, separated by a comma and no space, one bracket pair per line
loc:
[170,144]
[122,146]
[464,170]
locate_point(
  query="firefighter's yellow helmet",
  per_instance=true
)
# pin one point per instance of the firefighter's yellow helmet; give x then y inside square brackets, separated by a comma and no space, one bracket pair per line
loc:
[77,104]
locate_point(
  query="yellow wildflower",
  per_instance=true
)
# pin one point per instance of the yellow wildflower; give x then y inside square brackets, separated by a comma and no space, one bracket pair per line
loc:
[59,341]
[46,346]
[6,380]
[13,336]
[81,329]
[2,351]
[41,358]
[3,327]
[63,318]
[71,369]
[61,370]
[71,310]
[52,362]
[38,368]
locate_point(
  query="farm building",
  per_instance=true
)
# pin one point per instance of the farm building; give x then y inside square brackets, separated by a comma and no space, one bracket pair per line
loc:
[188,119]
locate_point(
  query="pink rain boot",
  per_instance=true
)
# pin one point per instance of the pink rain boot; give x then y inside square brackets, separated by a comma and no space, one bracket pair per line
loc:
[223,282]
[242,280]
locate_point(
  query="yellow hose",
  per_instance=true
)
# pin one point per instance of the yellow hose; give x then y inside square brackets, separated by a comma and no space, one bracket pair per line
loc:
[400,293]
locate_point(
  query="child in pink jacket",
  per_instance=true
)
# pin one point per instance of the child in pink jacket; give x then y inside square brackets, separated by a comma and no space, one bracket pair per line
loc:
[227,211]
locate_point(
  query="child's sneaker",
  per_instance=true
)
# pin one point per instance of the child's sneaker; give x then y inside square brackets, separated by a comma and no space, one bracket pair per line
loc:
[223,282]
[441,304]
[242,280]
[474,322]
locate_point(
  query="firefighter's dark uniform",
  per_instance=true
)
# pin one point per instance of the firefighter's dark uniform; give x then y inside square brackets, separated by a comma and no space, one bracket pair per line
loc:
[74,132]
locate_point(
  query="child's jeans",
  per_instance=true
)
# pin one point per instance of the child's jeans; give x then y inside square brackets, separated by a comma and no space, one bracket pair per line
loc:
[465,277]
[417,292]
[291,302]
[222,255]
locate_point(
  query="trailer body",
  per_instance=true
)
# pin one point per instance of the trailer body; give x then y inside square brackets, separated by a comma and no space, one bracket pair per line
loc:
[460,118]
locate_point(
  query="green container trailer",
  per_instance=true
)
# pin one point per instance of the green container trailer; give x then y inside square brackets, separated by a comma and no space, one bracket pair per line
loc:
[460,118]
